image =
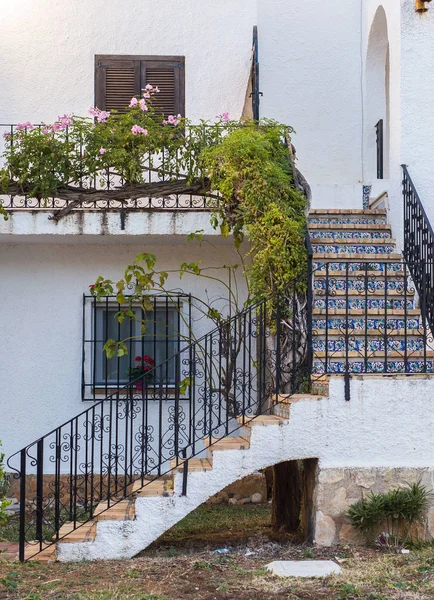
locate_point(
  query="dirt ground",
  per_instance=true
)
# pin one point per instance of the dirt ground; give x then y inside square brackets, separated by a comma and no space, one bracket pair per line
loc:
[200,561]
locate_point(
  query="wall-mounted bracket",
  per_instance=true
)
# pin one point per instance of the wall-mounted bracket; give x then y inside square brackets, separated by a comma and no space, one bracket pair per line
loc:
[421,5]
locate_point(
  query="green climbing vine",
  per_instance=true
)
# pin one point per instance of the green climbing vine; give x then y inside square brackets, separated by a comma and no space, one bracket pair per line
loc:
[245,168]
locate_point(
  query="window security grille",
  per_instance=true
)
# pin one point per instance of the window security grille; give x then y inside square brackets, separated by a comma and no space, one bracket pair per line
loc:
[152,337]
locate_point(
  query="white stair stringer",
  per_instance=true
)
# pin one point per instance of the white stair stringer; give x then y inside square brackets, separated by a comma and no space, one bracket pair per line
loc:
[269,444]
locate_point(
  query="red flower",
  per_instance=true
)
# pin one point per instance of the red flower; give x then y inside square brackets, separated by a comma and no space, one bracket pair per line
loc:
[138,358]
[146,369]
[92,287]
[149,360]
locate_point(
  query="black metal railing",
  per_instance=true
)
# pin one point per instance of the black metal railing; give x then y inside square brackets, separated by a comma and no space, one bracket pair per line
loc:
[379,130]
[141,433]
[157,168]
[419,245]
[151,337]
[256,93]
[369,318]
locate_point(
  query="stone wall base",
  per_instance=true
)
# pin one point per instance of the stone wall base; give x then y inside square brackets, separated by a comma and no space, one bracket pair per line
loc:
[337,489]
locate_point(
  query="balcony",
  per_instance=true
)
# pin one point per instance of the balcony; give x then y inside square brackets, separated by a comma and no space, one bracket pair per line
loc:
[163,204]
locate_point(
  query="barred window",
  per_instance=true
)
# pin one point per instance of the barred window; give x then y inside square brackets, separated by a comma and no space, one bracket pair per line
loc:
[152,338]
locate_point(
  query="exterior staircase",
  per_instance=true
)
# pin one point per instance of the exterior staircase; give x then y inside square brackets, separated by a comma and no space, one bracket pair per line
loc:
[366,314]
[130,525]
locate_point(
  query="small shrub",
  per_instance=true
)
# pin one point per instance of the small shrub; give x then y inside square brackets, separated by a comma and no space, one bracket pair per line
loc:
[4,485]
[387,518]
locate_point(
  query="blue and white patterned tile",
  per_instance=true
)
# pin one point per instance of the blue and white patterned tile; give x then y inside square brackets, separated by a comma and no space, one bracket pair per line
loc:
[348,235]
[374,345]
[366,195]
[395,366]
[354,220]
[352,249]
[392,324]
[361,285]
[392,268]
[365,303]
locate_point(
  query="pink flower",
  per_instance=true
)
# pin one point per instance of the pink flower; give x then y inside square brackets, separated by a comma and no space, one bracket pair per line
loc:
[171,120]
[149,87]
[26,125]
[133,102]
[102,151]
[101,115]
[135,129]
[143,104]
[65,121]
[6,135]
[56,127]
[223,117]
[146,95]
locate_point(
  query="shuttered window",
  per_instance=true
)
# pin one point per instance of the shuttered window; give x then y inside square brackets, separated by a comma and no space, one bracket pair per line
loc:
[119,78]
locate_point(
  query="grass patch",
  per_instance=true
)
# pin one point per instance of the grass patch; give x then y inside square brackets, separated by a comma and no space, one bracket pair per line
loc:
[209,519]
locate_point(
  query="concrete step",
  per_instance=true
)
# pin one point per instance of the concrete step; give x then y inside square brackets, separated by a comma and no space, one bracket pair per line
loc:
[48,553]
[227,443]
[121,511]
[82,533]
[262,420]
[195,465]
[159,487]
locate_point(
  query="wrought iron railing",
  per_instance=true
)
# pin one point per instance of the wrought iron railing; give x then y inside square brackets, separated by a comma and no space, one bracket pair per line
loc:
[143,432]
[419,245]
[379,133]
[368,318]
[157,168]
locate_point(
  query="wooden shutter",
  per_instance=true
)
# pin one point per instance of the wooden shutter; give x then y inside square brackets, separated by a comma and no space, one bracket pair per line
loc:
[116,82]
[119,78]
[168,76]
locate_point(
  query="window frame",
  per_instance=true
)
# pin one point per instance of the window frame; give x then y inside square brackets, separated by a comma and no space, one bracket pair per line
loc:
[91,390]
[140,59]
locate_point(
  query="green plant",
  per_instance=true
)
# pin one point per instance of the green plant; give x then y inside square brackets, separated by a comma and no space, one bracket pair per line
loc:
[388,517]
[4,485]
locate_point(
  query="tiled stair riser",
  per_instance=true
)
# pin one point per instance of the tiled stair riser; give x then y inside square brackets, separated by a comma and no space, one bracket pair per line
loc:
[378,284]
[373,345]
[363,303]
[352,249]
[347,220]
[361,285]
[348,234]
[392,324]
[374,366]
[320,267]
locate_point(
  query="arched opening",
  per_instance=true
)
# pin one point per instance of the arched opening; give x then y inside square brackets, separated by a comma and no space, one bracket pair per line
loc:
[377,117]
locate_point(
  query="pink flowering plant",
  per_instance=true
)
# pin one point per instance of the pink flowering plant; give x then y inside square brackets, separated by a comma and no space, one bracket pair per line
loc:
[79,153]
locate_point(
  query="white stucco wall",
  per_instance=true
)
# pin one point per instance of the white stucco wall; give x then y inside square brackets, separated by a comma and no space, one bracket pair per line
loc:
[41,289]
[47,51]
[310,74]
[417,85]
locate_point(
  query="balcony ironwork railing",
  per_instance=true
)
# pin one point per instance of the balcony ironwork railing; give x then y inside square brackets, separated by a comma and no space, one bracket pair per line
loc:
[156,168]
[221,381]
[419,245]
